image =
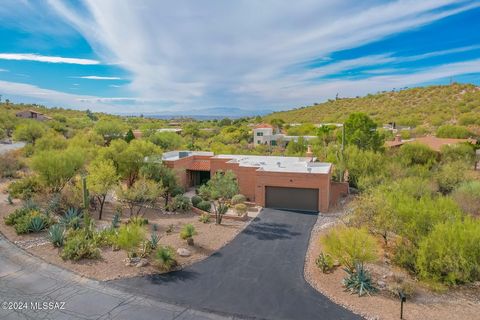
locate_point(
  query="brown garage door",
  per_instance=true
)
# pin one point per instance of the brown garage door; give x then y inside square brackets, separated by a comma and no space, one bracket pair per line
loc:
[301,199]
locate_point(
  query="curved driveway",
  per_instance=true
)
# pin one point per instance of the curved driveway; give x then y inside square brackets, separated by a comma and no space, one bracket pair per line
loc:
[259,275]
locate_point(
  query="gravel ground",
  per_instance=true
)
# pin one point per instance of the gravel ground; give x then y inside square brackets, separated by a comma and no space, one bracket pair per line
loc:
[461,304]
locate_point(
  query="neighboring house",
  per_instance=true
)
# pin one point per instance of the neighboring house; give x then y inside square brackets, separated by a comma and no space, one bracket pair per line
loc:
[432,142]
[294,183]
[30,114]
[265,134]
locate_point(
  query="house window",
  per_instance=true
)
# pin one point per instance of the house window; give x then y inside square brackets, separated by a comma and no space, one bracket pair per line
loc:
[273,143]
[259,134]
[259,142]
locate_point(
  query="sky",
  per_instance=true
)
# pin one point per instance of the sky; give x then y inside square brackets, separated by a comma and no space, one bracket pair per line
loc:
[229,57]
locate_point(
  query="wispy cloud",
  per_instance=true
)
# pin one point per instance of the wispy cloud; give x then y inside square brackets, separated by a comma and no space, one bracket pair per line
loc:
[49,59]
[99,78]
[190,53]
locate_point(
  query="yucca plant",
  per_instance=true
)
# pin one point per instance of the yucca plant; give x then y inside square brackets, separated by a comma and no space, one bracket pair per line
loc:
[166,258]
[56,234]
[187,233]
[72,218]
[37,224]
[359,281]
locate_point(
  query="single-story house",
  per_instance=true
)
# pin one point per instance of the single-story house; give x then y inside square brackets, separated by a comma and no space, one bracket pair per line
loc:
[293,183]
[30,114]
[432,142]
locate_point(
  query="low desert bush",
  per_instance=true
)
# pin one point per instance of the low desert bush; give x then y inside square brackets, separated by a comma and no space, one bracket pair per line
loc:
[205,206]
[28,220]
[196,200]
[451,175]
[238,198]
[9,165]
[467,195]
[324,262]
[241,209]
[129,238]
[450,253]
[181,203]
[24,188]
[204,217]
[79,246]
[187,233]
[350,246]
[166,258]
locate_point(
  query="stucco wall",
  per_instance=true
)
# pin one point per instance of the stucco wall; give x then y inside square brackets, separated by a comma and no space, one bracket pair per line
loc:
[337,190]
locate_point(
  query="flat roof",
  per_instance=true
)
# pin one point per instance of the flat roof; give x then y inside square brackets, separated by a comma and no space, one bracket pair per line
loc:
[175,155]
[278,163]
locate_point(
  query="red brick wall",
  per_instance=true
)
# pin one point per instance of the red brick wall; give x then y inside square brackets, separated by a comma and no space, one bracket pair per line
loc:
[337,190]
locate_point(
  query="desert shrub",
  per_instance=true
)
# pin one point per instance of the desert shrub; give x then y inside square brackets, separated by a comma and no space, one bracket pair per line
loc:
[450,131]
[205,206]
[166,258]
[324,262]
[14,217]
[222,208]
[350,246]
[241,209]
[450,175]
[187,233]
[9,165]
[56,234]
[24,188]
[79,246]
[27,220]
[105,238]
[129,238]
[181,203]
[467,195]
[458,152]
[138,221]
[450,253]
[417,154]
[238,198]
[196,200]
[204,217]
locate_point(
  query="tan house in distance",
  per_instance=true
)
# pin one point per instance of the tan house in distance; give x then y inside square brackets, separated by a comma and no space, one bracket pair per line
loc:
[30,114]
[291,183]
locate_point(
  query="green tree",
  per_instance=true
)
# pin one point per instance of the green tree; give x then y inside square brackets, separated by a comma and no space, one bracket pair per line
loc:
[51,141]
[220,189]
[144,192]
[165,176]
[417,154]
[102,177]
[456,132]
[166,140]
[128,158]
[129,136]
[29,131]
[55,168]
[192,130]
[361,131]
[110,129]
[91,115]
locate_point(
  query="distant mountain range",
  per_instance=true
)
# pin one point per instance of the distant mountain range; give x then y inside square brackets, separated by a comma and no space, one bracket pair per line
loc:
[206,114]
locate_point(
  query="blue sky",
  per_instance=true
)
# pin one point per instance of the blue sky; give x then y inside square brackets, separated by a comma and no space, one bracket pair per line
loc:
[169,57]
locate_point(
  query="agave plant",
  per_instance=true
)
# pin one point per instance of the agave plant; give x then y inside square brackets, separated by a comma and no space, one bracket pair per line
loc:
[154,240]
[359,281]
[116,220]
[56,234]
[30,205]
[166,258]
[72,218]
[37,224]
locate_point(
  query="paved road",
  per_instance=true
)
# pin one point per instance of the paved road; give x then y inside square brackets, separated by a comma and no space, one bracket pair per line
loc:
[259,274]
[24,278]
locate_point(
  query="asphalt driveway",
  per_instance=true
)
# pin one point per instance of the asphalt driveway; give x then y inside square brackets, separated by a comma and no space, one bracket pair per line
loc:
[259,274]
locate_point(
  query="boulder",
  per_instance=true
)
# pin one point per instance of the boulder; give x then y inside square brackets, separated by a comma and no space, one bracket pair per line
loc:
[182,252]
[141,263]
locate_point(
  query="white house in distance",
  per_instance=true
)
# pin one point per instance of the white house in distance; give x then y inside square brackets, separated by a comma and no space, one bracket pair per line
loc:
[266,134]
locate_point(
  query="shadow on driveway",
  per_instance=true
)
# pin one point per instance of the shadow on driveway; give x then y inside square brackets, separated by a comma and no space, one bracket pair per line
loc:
[259,274]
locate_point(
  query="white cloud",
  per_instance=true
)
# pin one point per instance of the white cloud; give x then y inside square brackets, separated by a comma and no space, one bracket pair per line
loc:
[248,53]
[50,59]
[99,78]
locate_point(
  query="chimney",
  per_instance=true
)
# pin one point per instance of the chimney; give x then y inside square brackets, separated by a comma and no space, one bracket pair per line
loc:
[309,153]
[398,138]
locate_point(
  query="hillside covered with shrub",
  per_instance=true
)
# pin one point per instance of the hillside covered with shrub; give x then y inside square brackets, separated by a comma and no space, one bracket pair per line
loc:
[430,106]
